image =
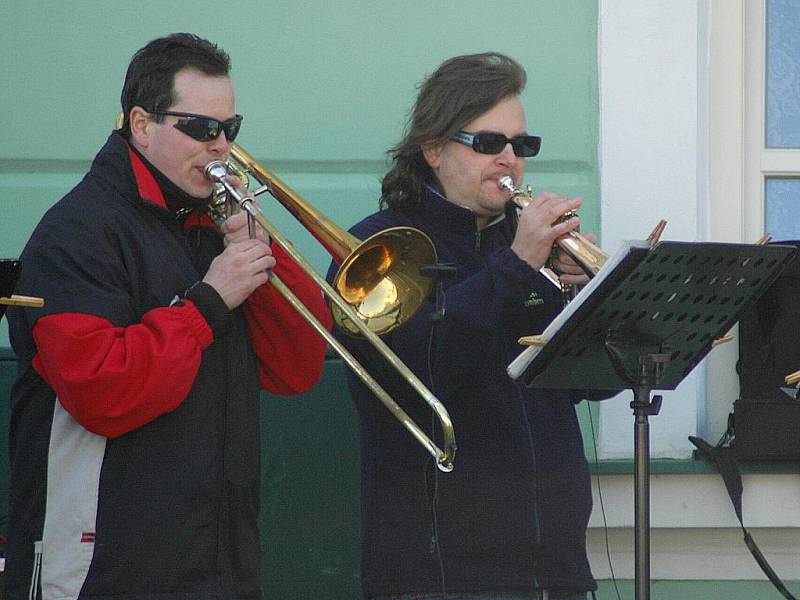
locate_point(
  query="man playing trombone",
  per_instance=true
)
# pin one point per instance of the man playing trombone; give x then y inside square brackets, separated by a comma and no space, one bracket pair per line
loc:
[135,419]
[510,520]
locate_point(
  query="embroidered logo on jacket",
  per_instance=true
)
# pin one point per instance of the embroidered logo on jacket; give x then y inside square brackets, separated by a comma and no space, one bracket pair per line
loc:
[87,537]
[534,299]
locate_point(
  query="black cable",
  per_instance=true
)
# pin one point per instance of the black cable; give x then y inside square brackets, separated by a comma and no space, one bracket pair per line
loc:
[439,271]
[600,497]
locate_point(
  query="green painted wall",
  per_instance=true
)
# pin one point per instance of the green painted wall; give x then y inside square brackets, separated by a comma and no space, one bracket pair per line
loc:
[325,88]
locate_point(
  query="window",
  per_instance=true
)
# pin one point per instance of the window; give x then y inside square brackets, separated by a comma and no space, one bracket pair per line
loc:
[772,168]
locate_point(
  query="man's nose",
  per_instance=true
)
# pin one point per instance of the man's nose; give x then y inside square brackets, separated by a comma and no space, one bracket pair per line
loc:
[507,156]
[221,145]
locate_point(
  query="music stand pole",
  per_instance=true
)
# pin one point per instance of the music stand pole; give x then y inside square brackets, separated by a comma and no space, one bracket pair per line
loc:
[651,366]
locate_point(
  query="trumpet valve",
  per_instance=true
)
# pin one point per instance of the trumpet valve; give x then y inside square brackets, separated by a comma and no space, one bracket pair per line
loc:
[567,216]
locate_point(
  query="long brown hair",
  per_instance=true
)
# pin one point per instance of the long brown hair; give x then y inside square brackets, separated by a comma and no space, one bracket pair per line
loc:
[459,91]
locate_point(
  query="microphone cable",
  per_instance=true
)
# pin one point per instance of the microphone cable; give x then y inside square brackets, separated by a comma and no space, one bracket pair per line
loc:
[600,497]
[439,272]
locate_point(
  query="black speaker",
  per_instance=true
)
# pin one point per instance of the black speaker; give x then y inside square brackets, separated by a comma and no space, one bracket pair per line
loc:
[766,421]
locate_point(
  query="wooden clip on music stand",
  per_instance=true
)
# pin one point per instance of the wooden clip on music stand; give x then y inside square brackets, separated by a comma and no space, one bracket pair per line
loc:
[9,271]
[644,323]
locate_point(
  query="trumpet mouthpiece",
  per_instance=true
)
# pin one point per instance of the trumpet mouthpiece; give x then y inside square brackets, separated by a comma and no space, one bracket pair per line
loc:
[507,184]
[215,170]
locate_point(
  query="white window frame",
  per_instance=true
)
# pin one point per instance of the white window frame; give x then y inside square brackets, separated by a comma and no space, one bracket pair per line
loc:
[740,162]
[772,162]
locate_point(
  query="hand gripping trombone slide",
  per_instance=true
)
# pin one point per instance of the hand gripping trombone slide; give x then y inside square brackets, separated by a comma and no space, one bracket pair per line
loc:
[218,172]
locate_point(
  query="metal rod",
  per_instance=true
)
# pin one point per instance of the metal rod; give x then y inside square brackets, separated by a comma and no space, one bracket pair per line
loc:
[642,500]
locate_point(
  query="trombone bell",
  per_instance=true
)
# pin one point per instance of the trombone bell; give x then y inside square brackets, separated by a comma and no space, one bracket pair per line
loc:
[381,279]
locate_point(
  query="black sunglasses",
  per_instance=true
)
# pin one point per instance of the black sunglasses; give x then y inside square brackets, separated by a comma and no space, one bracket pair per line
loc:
[203,128]
[489,142]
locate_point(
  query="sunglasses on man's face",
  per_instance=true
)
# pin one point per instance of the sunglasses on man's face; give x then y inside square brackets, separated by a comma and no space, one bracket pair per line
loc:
[489,142]
[203,128]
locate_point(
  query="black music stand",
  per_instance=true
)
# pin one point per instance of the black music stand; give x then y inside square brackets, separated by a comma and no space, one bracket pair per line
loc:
[643,324]
[9,271]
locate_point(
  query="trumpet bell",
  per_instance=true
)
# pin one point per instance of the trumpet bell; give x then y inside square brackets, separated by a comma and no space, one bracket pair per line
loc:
[381,280]
[584,252]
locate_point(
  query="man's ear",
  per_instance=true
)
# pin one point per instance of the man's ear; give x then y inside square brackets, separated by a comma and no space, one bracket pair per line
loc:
[432,156]
[141,125]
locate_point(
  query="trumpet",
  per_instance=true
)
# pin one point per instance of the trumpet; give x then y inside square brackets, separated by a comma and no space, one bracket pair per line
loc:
[588,256]
[377,287]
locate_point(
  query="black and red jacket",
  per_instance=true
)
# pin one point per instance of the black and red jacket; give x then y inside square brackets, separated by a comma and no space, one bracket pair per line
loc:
[134,438]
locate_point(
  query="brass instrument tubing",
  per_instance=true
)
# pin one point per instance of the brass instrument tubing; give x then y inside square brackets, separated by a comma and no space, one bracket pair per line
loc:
[444,458]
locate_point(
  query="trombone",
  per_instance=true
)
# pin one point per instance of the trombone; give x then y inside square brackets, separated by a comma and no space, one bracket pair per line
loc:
[377,287]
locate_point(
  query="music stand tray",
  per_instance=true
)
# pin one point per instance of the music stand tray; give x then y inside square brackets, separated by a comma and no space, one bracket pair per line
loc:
[9,272]
[643,323]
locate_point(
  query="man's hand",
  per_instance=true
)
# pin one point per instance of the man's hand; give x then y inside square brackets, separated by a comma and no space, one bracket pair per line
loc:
[243,265]
[568,270]
[236,229]
[539,227]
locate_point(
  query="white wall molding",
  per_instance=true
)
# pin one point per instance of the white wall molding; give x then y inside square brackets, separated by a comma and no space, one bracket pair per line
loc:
[652,166]
[694,531]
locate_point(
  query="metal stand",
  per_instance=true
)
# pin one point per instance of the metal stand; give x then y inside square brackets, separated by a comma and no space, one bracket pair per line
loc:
[643,407]
[644,326]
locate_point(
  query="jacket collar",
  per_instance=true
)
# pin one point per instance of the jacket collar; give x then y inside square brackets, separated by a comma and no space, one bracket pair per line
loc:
[137,178]
[448,216]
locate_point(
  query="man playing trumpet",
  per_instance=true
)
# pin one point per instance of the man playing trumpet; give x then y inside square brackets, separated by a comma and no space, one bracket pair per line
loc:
[510,520]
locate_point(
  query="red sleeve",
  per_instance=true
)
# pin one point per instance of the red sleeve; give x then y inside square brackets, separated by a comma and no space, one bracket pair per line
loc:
[113,380]
[290,353]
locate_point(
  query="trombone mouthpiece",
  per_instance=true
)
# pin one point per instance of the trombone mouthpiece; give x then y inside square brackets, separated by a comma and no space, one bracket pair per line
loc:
[216,170]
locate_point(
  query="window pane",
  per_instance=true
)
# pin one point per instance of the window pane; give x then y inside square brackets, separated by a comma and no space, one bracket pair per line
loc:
[783,74]
[783,208]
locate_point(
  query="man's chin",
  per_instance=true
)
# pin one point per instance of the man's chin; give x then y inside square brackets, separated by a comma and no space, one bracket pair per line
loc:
[202,194]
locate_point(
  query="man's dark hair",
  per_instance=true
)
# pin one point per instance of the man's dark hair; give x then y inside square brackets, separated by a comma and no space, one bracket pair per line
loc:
[150,79]
[459,91]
